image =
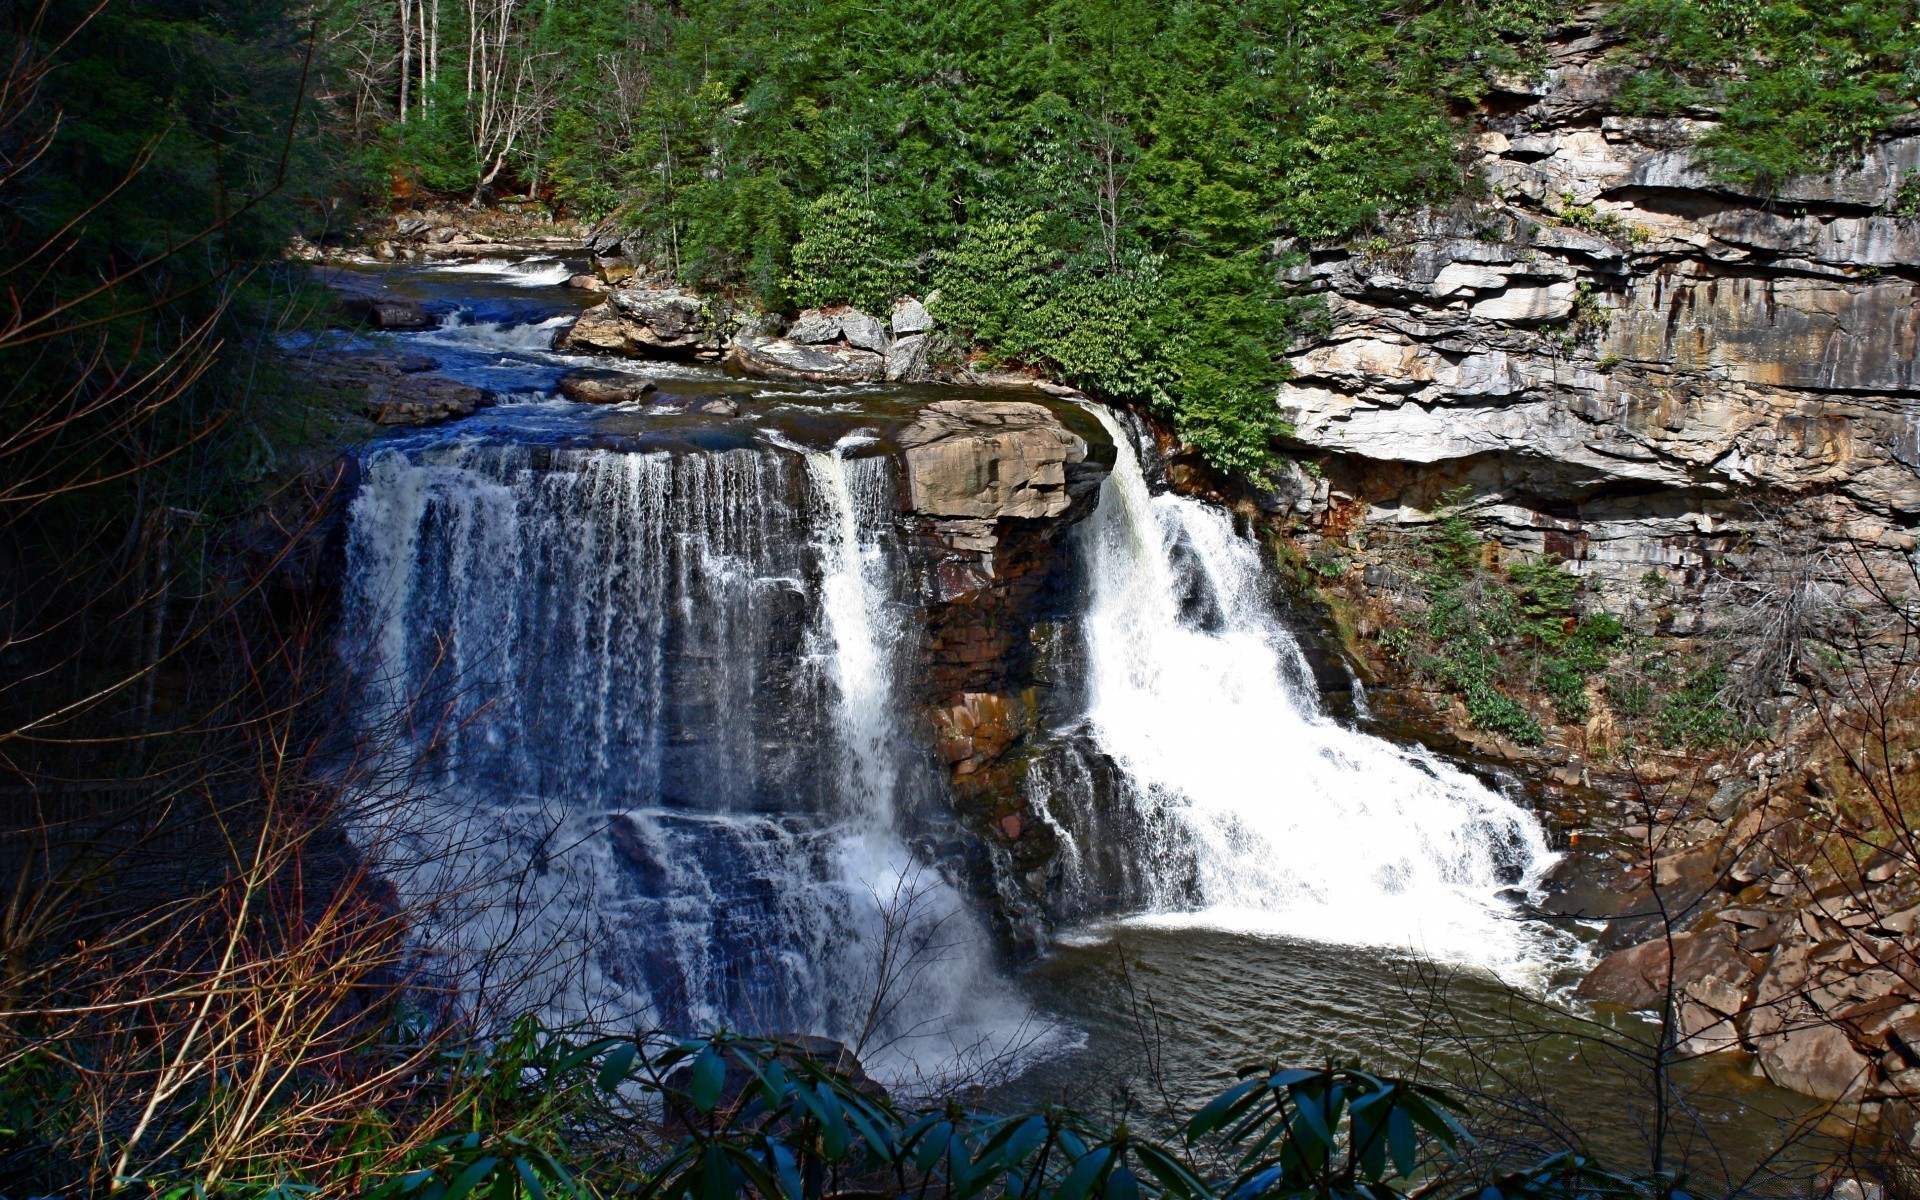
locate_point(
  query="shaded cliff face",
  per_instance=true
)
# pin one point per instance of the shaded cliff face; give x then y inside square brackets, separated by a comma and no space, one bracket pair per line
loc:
[1617,353]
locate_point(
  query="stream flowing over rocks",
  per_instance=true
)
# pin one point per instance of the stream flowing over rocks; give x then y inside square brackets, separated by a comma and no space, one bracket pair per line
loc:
[819,707]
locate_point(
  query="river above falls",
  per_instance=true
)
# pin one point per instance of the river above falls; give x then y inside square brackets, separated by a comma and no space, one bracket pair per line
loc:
[679,774]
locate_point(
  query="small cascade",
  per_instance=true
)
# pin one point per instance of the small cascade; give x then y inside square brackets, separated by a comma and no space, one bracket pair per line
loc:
[643,709]
[1242,804]
[526,272]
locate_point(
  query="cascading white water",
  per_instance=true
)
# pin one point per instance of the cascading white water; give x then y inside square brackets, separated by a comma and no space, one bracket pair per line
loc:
[527,272]
[659,778]
[1259,812]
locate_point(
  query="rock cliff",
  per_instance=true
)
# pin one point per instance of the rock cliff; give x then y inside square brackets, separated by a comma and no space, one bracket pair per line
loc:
[1684,389]
[1615,351]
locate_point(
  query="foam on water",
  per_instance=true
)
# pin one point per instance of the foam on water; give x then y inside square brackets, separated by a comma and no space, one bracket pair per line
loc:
[1261,813]
[528,272]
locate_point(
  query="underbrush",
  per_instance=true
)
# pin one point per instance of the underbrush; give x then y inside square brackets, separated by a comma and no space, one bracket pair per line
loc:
[1521,645]
[539,1113]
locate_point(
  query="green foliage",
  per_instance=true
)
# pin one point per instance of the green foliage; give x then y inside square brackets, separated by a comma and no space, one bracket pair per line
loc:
[1329,1132]
[1092,187]
[729,1117]
[841,257]
[1798,88]
[1477,623]
[994,278]
[1906,200]
[1695,715]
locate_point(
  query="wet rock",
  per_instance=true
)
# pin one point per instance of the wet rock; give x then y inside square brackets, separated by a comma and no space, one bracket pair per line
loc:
[586,283]
[989,459]
[780,358]
[589,385]
[388,312]
[396,389]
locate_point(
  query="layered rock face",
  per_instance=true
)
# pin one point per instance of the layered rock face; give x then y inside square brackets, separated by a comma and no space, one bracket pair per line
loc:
[1619,353]
[1660,378]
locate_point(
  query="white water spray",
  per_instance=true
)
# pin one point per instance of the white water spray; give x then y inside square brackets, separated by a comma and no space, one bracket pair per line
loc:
[528,272]
[1263,814]
[665,779]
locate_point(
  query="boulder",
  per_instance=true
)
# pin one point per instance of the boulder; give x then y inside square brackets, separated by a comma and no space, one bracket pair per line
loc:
[664,321]
[646,322]
[907,359]
[597,329]
[1814,1060]
[588,385]
[991,459]
[424,400]
[862,331]
[396,389]
[814,328]
[780,358]
[388,312]
[910,316]
[586,283]
[603,242]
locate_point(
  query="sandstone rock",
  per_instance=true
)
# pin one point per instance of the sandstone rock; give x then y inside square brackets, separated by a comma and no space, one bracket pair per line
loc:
[586,283]
[424,400]
[587,385]
[598,328]
[396,389]
[1817,1061]
[910,316]
[1535,304]
[862,331]
[1637,977]
[664,320]
[647,322]
[968,458]
[779,358]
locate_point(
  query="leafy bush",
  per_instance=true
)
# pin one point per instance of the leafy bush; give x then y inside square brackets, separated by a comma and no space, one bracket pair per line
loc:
[1477,624]
[1694,714]
[841,257]
[538,1114]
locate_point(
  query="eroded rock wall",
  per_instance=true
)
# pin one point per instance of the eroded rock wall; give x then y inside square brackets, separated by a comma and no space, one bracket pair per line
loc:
[1620,357]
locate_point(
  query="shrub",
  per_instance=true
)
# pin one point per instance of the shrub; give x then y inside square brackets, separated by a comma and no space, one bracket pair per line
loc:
[841,257]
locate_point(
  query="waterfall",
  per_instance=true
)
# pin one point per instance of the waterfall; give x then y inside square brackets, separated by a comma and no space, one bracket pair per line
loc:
[1251,808]
[638,716]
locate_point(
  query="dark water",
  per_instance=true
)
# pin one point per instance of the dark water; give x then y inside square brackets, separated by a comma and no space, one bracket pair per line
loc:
[1168,1015]
[1157,1018]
